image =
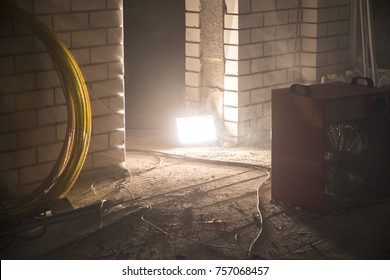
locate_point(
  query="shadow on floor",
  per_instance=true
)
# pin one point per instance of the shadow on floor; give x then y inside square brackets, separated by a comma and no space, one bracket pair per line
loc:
[171,206]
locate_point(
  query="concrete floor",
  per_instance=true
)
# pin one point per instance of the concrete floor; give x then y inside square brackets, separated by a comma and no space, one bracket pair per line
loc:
[173,207]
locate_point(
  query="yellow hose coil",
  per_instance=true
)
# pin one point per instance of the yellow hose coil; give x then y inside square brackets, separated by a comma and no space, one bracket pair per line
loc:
[75,147]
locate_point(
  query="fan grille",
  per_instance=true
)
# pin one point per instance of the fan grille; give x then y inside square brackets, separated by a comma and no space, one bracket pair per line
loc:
[357,158]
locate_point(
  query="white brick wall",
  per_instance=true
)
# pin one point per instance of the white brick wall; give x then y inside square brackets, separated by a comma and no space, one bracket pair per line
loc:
[325,38]
[257,64]
[275,55]
[193,35]
[192,20]
[193,54]
[193,5]
[33,113]
[265,48]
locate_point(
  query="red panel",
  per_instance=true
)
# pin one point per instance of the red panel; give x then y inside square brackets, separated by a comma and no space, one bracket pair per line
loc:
[297,150]
[298,140]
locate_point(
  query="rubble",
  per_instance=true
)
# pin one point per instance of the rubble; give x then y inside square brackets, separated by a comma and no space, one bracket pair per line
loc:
[357,71]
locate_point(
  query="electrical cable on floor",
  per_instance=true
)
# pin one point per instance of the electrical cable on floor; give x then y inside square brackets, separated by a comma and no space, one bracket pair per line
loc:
[13,237]
[257,167]
[149,208]
[18,236]
[117,185]
[260,215]
[5,209]
[101,213]
[93,189]
[7,245]
[160,161]
[187,238]
[69,246]
[123,186]
[232,163]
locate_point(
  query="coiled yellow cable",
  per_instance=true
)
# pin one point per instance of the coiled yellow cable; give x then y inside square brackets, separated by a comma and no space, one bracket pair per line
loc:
[75,147]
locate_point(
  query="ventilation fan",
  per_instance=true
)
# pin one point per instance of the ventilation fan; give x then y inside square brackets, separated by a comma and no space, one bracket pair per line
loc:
[330,146]
[346,158]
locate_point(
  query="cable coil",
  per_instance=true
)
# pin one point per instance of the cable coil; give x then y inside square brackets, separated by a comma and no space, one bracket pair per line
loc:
[75,147]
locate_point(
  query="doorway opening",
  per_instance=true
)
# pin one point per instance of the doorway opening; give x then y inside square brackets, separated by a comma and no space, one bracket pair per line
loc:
[154,57]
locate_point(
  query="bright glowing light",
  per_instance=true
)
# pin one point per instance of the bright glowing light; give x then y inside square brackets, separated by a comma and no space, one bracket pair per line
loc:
[120,129]
[121,94]
[194,130]
[122,112]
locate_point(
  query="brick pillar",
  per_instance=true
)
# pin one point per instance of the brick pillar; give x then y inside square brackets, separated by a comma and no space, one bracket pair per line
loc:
[205,59]
[212,60]
[262,53]
[193,55]
[325,35]
[267,44]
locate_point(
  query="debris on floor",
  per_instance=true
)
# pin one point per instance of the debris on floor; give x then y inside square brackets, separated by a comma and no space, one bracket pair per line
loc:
[174,207]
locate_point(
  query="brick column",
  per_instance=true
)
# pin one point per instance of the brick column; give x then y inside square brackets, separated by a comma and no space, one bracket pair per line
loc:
[325,35]
[193,55]
[262,53]
[267,44]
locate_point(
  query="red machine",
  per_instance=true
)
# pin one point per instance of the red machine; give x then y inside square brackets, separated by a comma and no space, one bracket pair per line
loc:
[331,145]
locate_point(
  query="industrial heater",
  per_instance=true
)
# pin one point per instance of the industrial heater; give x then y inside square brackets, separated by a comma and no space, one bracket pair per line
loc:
[331,145]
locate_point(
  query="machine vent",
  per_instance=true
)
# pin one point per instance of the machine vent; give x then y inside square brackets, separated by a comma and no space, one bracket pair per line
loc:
[331,146]
[356,152]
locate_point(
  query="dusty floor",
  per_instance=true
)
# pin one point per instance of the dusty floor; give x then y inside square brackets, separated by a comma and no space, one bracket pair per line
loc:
[174,207]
